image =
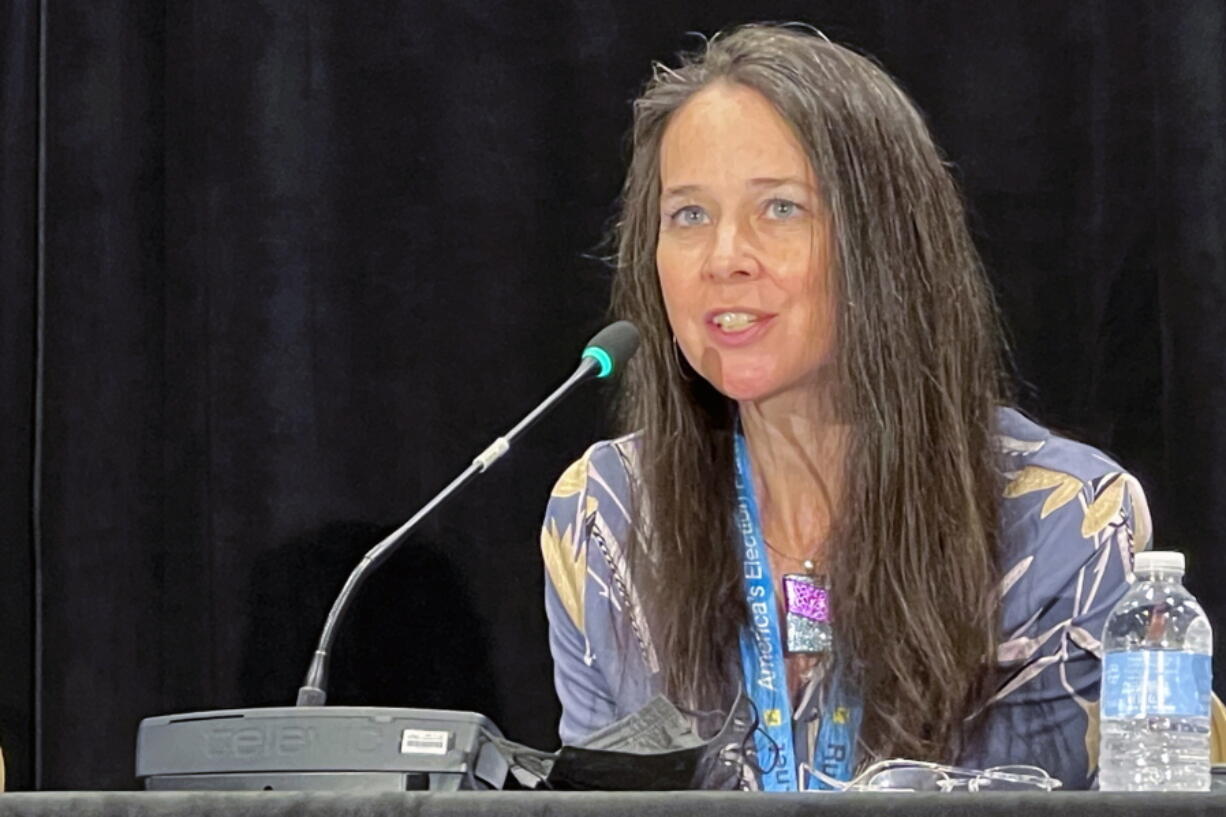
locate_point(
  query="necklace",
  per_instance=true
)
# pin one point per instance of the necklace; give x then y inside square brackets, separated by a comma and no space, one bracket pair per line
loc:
[806,601]
[809,565]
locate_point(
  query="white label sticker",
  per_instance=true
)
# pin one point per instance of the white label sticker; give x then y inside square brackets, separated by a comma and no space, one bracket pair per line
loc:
[424,742]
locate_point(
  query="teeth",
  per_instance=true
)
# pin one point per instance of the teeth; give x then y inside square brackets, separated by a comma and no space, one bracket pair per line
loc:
[734,321]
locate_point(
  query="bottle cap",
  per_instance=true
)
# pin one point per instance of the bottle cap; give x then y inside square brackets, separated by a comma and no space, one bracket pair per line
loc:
[1168,560]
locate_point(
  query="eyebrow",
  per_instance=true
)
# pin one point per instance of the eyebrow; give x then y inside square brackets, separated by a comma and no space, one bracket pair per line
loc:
[772,182]
[760,182]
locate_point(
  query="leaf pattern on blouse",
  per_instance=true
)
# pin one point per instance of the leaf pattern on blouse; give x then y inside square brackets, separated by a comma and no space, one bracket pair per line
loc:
[1033,478]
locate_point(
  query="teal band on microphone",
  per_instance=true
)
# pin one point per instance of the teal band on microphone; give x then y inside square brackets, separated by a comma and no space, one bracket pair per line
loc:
[601,357]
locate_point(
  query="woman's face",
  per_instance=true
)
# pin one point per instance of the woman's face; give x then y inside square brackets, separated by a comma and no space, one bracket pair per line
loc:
[742,252]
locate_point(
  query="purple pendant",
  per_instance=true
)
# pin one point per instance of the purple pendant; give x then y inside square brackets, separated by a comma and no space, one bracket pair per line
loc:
[807,600]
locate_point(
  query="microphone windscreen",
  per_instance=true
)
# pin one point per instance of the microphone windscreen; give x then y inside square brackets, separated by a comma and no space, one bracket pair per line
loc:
[618,342]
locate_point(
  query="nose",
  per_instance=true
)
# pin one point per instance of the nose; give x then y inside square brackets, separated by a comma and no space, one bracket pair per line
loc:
[732,255]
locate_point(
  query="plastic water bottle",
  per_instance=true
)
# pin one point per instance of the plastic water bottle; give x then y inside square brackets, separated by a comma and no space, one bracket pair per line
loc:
[1157,673]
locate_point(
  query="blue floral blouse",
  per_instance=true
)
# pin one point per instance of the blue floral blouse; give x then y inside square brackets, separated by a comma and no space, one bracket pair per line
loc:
[1071,519]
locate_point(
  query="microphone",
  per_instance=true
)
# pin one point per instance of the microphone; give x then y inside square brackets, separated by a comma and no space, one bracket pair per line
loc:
[606,353]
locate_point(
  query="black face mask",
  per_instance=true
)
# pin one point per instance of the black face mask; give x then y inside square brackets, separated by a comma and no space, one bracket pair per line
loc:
[652,749]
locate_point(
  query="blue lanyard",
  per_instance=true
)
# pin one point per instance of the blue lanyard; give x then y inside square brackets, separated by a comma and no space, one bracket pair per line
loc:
[835,752]
[765,673]
[764,669]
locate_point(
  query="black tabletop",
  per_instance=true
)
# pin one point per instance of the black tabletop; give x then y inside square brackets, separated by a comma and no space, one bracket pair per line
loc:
[592,804]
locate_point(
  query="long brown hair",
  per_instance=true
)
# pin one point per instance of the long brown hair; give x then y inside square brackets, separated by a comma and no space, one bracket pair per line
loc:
[912,556]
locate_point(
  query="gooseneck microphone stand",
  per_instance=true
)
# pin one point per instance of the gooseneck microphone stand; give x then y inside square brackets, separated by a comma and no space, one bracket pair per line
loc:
[314,690]
[313,746]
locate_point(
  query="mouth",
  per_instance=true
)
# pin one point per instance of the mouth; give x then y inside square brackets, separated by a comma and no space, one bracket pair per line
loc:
[737,326]
[736,320]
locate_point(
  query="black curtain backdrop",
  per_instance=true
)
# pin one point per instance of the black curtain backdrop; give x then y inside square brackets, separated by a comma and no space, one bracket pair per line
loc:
[288,265]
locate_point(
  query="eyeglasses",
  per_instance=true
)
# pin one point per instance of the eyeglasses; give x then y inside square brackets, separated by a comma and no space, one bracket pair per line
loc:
[918,775]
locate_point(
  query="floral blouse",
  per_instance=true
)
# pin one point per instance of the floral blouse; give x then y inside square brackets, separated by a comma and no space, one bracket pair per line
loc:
[1071,519]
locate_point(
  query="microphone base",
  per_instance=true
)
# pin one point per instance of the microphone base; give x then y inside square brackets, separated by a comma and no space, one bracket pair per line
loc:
[324,748]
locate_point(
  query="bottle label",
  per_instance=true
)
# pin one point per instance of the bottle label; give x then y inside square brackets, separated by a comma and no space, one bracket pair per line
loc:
[1145,683]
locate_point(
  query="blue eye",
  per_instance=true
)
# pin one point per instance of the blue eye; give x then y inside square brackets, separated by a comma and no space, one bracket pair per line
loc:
[782,208]
[689,216]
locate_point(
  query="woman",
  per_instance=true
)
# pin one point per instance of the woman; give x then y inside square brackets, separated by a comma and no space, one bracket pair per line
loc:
[817,424]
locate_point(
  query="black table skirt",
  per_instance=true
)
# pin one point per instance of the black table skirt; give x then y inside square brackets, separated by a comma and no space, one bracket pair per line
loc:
[534,804]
